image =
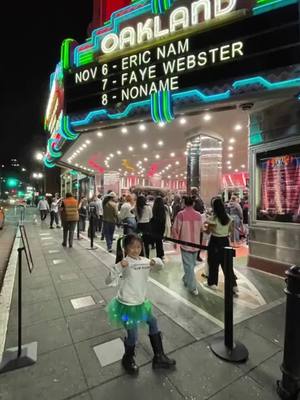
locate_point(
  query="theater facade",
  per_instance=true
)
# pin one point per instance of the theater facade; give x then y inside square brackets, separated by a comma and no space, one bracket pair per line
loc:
[153,62]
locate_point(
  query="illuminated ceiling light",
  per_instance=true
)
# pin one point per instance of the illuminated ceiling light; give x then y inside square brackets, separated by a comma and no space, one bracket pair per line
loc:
[130,148]
[236,170]
[230,148]
[145,159]
[76,164]
[80,148]
[185,153]
[124,130]
[169,176]
[177,162]
[144,146]
[142,127]
[230,155]
[88,141]
[160,143]
[238,127]
[229,167]
[232,140]
[172,154]
[157,156]
[111,155]
[228,162]
[176,176]
[119,152]
[182,121]
[132,173]
[243,166]
[161,124]
[99,134]
[84,145]
[207,117]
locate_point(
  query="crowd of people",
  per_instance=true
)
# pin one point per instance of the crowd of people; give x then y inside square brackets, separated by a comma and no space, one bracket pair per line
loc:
[154,219]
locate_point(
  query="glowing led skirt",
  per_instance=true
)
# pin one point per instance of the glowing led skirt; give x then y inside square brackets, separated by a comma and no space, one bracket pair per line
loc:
[121,315]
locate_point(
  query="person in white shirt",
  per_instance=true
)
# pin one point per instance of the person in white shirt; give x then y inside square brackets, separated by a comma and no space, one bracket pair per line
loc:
[100,216]
[43,206]
[126,215]
[144,214]
[54,216]
[130,308]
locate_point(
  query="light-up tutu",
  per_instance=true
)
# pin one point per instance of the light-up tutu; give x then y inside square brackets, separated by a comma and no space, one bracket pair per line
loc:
[122,315]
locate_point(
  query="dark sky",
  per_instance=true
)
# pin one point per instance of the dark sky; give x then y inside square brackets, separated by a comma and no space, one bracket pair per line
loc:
[30,49]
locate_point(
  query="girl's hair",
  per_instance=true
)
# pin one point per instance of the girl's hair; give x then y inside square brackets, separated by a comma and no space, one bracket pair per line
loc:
[140,204]
[159,211]
[127,241]
[129,198]
[219,210]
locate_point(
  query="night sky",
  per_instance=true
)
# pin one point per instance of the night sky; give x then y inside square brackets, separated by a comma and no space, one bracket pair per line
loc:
[32,38]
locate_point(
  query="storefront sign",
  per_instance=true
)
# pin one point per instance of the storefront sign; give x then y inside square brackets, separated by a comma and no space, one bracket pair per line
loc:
[240,48]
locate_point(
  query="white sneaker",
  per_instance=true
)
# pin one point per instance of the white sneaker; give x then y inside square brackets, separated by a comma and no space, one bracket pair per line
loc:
[235,289]
[195,292]
[213,287]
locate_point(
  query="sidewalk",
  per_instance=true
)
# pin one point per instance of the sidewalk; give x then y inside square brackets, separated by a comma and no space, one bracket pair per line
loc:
[68,367]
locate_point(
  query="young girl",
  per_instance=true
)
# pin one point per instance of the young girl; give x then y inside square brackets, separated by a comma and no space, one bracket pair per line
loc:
[130,308]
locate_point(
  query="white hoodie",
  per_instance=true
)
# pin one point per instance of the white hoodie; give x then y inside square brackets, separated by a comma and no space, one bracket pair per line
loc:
[132,280]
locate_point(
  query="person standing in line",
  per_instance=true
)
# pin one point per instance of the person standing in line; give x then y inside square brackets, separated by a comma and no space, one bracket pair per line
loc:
[82,213]
[176,207]
[220,225]
[131,308]
[144,214]
[158,225]
[110,218]
[198,206]
[43,206]
[126,215]
[100,217]
[93,211]
[236,213]
[187,227]
[70,216]
[54,215]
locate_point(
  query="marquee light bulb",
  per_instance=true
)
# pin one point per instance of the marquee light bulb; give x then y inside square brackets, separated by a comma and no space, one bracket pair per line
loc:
[99,134]
[145,159]
[172,154]
[124,130]
[88,141]
[182,121]
[230,155]
[160,143]
[207,117]
[232,140]
[228,162]
[230,148]
[130,148]
[157,156]
[144,146]
[142,127]
[161,124]
[229,167]
[119,152]
[238,127]
[177,162]
[243,166]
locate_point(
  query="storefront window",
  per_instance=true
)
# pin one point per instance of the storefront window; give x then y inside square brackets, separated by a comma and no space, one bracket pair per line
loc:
[279,185]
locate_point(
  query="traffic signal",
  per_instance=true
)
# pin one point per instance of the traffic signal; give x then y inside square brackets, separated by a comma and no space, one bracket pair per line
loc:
[12,182]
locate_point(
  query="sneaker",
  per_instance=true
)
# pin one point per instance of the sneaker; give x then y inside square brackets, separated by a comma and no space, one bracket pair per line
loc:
[235,289]
[110,250]
[58,226]
[51,227]
[64,244]
[213,287]
[195,292]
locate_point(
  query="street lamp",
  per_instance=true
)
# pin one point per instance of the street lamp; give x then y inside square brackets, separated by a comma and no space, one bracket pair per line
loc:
[38,175]
[39,155]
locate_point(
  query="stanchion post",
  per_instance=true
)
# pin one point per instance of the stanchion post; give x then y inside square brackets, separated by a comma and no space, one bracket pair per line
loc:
[225,347]
[20,301]
[25,355]
[289,387]
[78,233]
[92,230]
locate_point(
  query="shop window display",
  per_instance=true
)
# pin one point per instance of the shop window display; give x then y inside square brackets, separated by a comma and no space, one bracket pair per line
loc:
[279,196]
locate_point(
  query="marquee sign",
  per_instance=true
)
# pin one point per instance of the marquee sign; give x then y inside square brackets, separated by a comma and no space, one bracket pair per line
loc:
[154,52]
[245,46]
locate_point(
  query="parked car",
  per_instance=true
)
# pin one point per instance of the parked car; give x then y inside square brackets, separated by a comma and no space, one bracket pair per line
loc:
[2,217]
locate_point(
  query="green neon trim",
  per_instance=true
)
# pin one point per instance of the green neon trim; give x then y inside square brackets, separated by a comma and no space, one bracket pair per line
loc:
[65,53]
[166,107]
[256,139]
[272,6]
[166,5]
[155,8]
[48,163]
[155,110]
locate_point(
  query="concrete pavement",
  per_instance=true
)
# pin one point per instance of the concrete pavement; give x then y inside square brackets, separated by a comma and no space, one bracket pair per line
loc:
[64,311]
